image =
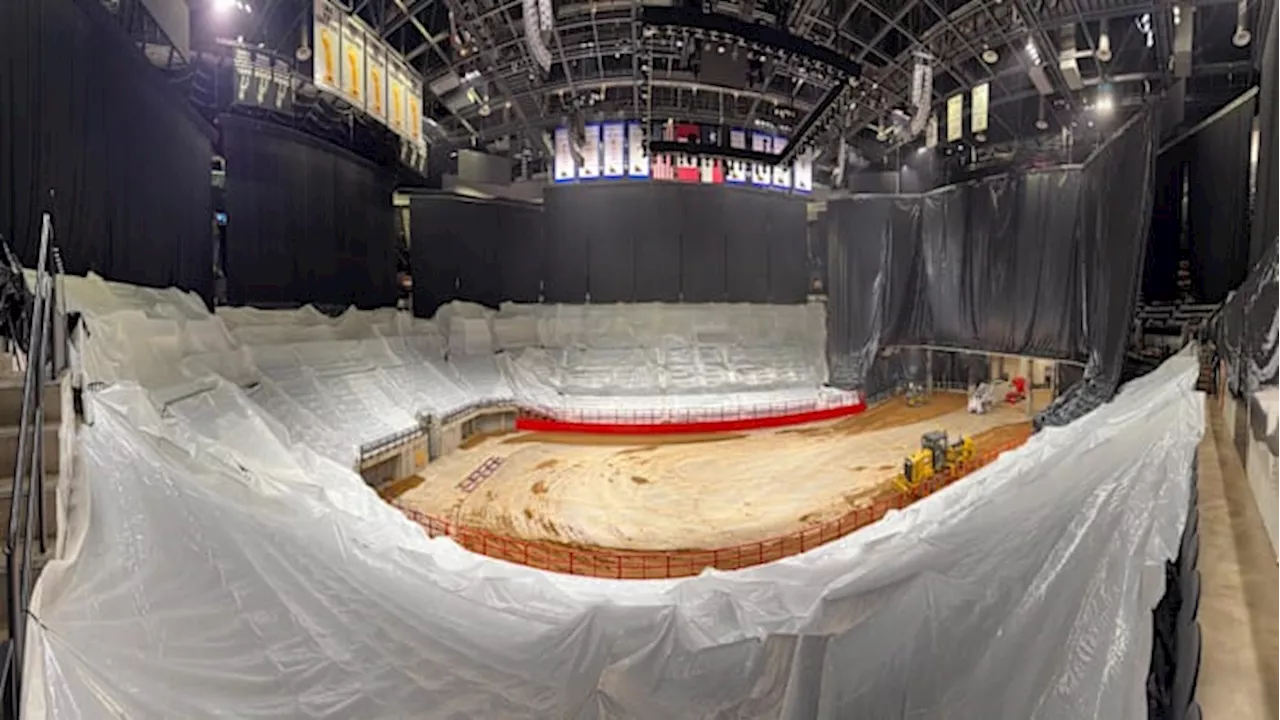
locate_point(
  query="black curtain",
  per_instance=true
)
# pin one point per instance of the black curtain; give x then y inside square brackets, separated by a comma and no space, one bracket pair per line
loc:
[1266,226]
[987,265]
[1111,232]
[1164,243]
[482,251]
[307,222]
[643,242]
[1218,203]
[84,115]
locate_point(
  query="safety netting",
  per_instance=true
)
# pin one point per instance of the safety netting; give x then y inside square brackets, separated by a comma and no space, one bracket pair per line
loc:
[214,563]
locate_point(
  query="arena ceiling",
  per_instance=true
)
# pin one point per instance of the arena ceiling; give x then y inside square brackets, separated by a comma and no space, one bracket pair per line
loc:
[607,64]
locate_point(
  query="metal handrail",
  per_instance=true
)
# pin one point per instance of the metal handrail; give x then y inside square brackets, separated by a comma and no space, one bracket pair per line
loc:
[26,506]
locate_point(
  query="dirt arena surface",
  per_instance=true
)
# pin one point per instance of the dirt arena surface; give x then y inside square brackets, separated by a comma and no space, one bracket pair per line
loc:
[651,493]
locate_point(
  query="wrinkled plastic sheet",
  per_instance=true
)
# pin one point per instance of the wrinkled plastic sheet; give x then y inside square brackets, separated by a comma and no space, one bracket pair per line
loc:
[213,566]
[1246,329]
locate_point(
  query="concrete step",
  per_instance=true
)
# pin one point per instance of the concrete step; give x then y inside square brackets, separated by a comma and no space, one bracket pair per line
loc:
[9,449]
[11,401]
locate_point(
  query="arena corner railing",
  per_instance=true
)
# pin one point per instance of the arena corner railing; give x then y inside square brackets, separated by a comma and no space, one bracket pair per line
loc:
[27,534]
[662,564]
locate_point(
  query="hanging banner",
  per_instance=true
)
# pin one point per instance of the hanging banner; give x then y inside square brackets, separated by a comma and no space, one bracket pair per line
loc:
[687,168]
[590,154]
[980,101]
[352,66]
[781,172]
[804,172]
[327,39]
[761,173]
[931,132]
[662,167]
[375,63]
[564,169]
[737,170]
[615,150]
[637,158]
[413,114]
[397,103]
[955,118]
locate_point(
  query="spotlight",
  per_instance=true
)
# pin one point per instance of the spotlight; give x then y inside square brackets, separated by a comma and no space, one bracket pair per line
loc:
[922,150]
[223,6]
[1105,104]
[1042,124]
[990,56]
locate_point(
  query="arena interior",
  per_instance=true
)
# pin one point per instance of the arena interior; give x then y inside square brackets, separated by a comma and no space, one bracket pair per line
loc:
[639,360]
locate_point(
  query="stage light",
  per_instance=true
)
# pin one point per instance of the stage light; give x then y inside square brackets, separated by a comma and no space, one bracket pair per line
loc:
[1105,105]
[224,6]
[922,150]
[1033,52]
[990,56]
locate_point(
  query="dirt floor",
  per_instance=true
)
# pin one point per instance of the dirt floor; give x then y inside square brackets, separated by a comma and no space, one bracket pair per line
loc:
[650,493]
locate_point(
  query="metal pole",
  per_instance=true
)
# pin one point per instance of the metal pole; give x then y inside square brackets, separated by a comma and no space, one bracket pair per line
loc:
[16,572]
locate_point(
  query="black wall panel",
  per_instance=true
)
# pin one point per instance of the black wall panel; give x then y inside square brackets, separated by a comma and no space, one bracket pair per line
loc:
[747,249]
[308,222]
[82,114]
[692,242]
[702,245]
[656,242]
[474,250]
[569,224]
[521,253]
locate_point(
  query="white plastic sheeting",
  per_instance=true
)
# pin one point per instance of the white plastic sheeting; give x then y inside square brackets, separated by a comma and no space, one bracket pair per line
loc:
[213,569]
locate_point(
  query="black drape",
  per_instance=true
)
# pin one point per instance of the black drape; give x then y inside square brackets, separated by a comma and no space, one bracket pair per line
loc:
[307,222]
[1266,225]
[1218,203]
[482,251]
[1045,264]
[641,242]
[987,265]
[84,115]
[1160,274]
[1111,233]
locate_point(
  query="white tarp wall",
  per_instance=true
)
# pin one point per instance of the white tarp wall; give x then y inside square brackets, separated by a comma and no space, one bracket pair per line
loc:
[214,566]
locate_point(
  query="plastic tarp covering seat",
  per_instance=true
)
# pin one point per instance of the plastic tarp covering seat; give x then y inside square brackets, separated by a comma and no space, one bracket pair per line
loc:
[213,565]
[1245,328]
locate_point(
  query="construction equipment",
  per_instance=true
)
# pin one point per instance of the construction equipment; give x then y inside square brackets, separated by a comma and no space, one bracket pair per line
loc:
[935,456]
[915,395]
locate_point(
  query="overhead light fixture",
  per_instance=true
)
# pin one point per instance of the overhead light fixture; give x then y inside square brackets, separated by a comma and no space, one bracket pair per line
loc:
[1033,52]
[1104,43]
[1041,123]
[990,56]
[1242,37]
[1105,103]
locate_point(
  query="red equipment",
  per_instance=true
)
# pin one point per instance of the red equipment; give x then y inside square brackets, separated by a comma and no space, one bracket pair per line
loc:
[1019,391]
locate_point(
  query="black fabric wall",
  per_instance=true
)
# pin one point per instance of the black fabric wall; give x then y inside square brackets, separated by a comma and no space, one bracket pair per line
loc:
[987,265]
[643,242]
[1266,225]
[1164,244]
[307,222]
[1212,231]
[476,250]
[1044,264]
[84,115]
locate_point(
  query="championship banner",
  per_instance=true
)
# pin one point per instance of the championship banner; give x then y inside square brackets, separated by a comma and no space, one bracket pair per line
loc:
[761,174]
[712,170]
[564,170]
[980,100]
[637,158]
[413,116]
[955,117]
[615,146]
[352,66]
[737,170]
[327,39]
[687,169]
[375,63]
[397,102]
[804,172]
[662,167]
[590,154]
[282,79]
[262,80]
[781,172]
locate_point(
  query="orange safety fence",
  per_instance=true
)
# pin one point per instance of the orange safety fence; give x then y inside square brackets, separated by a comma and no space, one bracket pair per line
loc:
[659,564]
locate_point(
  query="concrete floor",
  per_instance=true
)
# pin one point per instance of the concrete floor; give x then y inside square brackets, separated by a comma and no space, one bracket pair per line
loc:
[1238,609]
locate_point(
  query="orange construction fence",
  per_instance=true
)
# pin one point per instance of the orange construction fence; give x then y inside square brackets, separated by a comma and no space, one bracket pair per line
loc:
[659,564]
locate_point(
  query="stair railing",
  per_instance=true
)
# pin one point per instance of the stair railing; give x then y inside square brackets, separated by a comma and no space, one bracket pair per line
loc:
[26,507]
